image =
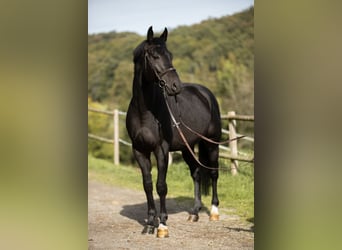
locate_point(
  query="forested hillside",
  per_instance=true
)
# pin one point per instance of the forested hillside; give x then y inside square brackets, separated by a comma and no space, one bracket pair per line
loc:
[218,53]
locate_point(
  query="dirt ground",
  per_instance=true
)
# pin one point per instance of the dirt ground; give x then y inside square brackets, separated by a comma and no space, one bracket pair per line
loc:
[116,219]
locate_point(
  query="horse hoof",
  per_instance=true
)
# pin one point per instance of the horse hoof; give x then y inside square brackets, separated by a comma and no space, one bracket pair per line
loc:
[148,229]
[214,217]
[163,231]
[193,217]
[214,213]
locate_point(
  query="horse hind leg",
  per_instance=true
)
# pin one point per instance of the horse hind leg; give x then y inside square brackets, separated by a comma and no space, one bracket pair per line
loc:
[209,156]
[195,174]
[213,158]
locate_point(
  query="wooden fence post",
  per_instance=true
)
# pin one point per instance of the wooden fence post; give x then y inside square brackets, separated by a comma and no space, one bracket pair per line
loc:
[233,144]
[116,137]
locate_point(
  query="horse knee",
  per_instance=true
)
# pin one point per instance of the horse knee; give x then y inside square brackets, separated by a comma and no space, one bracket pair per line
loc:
[148,186]
[162,188]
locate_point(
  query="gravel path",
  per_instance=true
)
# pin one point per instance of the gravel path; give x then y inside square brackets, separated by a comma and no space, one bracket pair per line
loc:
[116,218]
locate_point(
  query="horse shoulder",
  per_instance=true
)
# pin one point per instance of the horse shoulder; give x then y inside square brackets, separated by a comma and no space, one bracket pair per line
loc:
[143,130]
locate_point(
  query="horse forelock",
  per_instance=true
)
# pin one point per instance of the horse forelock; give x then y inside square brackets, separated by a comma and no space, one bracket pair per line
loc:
[139,51]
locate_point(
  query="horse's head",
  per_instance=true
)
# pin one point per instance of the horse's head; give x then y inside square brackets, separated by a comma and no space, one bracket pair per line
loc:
[157,63]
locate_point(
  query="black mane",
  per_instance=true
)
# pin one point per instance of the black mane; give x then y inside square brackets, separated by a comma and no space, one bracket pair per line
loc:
[138,52]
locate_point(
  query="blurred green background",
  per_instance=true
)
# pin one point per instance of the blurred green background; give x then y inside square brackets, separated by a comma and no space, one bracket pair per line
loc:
[43,131]
[298,118]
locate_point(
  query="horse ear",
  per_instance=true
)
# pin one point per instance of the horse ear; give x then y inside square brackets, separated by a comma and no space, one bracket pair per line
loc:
[164,35]
[150,34]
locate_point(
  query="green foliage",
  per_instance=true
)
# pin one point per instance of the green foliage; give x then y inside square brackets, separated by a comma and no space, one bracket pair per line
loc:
[210,53]
[99,124]
[102,125]
[218,53]
[105,53]
[236,193]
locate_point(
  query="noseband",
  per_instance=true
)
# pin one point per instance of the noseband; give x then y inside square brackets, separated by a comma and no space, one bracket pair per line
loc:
[161,82]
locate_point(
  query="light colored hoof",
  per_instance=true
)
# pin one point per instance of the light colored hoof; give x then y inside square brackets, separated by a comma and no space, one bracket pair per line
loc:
[163,231]
[214,217]
[214,214]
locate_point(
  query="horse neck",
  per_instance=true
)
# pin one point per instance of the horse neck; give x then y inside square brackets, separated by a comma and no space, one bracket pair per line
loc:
[146,95]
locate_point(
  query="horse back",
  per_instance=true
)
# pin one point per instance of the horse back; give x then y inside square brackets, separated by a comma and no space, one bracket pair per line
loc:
[207,98]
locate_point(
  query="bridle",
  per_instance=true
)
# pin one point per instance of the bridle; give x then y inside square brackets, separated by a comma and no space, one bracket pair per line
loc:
[161,82]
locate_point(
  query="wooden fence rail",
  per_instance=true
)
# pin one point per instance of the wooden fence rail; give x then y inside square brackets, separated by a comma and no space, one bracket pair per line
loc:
[231,117]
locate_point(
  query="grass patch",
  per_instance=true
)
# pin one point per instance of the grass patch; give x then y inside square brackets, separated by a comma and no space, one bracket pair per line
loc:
[236,193]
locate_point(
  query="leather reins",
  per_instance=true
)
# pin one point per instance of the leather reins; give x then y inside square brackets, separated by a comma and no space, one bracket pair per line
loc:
[181,134]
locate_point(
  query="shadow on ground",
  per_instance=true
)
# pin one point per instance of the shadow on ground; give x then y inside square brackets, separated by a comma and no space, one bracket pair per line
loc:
[138,212]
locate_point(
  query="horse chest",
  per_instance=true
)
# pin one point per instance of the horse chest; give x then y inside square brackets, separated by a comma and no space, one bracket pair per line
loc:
[145,133]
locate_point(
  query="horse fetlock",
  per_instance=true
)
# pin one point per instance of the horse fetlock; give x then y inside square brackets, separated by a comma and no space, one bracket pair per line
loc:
[193,215]
[152,220]
[148,229]
[193,218]
[163,218]
[196,209]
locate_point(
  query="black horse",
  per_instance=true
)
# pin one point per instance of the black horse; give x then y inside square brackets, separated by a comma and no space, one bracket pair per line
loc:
[158,115]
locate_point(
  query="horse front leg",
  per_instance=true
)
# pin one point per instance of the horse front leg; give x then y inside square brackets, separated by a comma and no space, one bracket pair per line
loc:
[162,154]
[196,177]
[144,162]
[214,174]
